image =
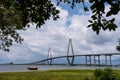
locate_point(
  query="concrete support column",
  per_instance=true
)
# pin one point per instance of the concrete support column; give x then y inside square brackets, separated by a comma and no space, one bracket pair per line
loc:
[49,57]
[110,60]
[96,59]
[70,46]
[88,59]
[99,60]
[105,60]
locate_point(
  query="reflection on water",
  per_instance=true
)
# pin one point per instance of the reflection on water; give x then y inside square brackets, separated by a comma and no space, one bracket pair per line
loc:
[19,68]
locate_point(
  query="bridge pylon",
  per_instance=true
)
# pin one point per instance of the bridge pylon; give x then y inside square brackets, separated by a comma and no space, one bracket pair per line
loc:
[49,56]
[70,61]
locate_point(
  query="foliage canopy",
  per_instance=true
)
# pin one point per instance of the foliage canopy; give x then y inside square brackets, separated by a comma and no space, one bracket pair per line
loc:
[98,20]
[17,14]
[105,74]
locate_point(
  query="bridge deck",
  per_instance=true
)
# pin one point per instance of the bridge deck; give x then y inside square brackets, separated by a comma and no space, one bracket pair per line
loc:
[102,54]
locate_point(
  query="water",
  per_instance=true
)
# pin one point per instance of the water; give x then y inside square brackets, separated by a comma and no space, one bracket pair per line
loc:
[22,68]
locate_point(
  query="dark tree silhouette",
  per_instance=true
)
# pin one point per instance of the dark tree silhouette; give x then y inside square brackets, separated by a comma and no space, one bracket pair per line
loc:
[98,21]
[118,46]
[17,14]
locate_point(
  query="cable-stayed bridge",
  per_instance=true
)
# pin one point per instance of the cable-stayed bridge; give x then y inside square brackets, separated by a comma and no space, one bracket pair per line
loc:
[90,59]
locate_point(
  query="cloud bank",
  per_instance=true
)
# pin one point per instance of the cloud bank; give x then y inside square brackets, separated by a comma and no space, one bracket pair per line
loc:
[55,35]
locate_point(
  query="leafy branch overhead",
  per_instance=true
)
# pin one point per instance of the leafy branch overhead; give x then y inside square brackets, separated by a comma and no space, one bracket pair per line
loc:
[98,20]
[16,15]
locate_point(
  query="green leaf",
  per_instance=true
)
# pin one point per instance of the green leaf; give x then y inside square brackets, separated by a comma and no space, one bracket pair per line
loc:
[112,20]
[93,11]
[94,17]
[97,31]
[90,21]
[93,6]
[89,25]
[108,14]
[86,9]
[91,1]
[118,47]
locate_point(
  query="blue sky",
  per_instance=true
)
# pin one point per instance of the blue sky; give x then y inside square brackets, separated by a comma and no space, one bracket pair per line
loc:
[55,34]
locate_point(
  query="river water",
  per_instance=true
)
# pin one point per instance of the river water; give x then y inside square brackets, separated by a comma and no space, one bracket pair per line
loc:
[22,68]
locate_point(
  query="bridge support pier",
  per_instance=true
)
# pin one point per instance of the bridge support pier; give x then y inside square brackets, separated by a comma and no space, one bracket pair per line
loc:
[88,60]
[49,62]
[70,62]
[110,60]
[97,60]
[106,61]
[49,56]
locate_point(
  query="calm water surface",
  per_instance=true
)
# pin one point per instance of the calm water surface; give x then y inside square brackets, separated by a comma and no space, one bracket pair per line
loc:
[21,68]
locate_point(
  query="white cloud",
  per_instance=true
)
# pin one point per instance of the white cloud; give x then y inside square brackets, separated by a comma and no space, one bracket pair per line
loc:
[55,34]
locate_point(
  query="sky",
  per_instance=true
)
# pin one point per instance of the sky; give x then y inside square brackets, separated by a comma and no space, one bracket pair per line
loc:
[56,34]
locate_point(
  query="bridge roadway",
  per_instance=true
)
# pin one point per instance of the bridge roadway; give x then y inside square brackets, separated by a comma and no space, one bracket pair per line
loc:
[88,59]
